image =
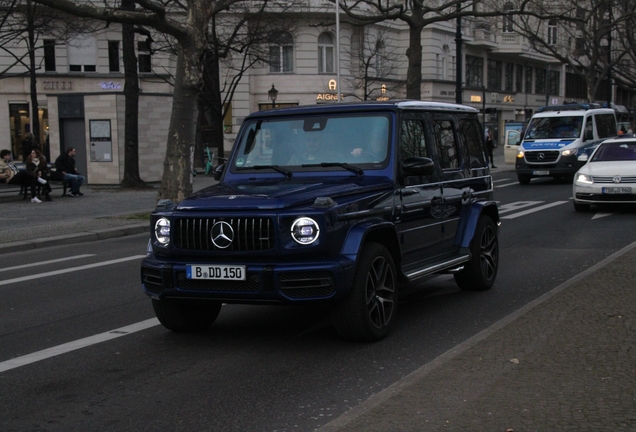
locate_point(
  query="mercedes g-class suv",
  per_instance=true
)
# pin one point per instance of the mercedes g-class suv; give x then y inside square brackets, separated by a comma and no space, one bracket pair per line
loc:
[342,204]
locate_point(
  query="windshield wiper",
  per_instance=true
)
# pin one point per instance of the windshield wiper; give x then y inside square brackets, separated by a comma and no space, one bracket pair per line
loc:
[283,171]
[352,168]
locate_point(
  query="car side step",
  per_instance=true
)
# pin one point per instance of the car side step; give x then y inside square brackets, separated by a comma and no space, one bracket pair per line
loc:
[453,264]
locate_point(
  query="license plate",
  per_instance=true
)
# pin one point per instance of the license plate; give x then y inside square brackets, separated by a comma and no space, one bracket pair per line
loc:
[617,190]
[215,271]
[540,172]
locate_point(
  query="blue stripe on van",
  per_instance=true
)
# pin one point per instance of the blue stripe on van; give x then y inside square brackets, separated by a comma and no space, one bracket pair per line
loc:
[545,145]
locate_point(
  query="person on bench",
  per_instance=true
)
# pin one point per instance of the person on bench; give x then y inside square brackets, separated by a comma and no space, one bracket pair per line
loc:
[65,170]
[37,167]
[10,174]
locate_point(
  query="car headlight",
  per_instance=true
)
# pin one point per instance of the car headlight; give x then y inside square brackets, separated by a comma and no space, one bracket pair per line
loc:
[519,154]
[569,152]
[162,231]
[305,231]
[584,178]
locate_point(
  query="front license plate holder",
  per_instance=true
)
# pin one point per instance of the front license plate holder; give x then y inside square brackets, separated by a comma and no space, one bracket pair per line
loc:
[616,190]
[541,173]
[216,272]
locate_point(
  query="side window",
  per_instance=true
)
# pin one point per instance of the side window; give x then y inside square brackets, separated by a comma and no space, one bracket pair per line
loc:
[589,129]
[445,143]
[412,139]
[605,125]
[470,131]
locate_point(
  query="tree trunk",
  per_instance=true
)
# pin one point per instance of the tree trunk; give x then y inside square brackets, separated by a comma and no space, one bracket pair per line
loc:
[414,55]
[35,118]
[131,94]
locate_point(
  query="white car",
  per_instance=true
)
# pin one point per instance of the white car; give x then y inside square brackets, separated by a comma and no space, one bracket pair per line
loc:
[609,176]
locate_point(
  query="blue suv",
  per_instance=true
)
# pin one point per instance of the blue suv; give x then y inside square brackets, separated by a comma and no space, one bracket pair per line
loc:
[342,204]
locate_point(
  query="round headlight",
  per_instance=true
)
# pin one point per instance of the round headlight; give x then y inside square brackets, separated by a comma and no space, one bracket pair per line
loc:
[162,231]
[305,231]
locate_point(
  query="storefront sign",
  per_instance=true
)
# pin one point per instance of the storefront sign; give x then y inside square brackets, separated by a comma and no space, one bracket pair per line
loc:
[58,85]
[110,85]
[327,97]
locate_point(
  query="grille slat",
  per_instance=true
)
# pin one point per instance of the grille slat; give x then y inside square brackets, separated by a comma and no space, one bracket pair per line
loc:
[610,179]
[249,234]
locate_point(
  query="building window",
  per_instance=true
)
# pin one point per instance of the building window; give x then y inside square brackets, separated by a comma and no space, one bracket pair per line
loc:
[82,54]
[554,85]
[539,81]
[144,56]
[575,86]
[552,32]
[519,79]
[509,76]
[379,58]
[529,71]
[474,71]
[113,56]
[281,53]
[508,23]
[227,120]
[494,74]
[325,53]
[49,55]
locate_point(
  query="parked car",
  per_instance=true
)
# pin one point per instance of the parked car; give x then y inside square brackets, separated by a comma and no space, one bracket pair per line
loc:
[340,204]
[609,176]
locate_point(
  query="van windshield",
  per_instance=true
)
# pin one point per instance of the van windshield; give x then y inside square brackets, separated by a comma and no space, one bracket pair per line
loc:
[555,127]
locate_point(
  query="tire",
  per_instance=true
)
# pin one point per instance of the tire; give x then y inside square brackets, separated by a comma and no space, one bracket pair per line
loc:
[182,315]
[480,272]
[368,311]
[524,180]
[581,207]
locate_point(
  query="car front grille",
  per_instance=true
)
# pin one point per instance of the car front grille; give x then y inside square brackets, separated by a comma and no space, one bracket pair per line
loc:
[247,234]
[610,179]
[542,156]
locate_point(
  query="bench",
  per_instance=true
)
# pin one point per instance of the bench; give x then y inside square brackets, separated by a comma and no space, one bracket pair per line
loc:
[25,191]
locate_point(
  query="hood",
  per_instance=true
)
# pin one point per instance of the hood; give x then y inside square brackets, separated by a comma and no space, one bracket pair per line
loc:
[281,193]
[620,168]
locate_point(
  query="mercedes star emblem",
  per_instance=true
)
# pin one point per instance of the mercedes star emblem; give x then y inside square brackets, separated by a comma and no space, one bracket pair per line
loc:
[222,234]
[540,156]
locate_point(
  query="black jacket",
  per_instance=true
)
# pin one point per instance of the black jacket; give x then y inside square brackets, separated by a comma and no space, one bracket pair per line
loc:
[65,163]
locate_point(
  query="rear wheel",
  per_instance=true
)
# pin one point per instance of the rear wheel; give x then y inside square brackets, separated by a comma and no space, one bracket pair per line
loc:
[524,179]
[480,272]
[183,315]
[368,312]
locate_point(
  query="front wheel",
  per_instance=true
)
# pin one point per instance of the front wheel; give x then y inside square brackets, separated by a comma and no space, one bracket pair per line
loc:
[480,272]
[183,315]
[524,179]
[368,312]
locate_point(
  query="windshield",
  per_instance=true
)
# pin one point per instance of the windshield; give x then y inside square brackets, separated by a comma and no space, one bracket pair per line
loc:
[615,152]
[305,143]
[555,127]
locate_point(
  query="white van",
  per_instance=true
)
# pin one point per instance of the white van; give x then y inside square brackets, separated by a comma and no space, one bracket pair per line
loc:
[557,135]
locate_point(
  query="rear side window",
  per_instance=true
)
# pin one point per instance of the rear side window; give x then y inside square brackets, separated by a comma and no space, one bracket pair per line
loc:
[412,139]
[445,143]
[470,131]
[605,125]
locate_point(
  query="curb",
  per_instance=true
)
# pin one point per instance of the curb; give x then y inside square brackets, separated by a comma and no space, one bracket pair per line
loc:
[80,237]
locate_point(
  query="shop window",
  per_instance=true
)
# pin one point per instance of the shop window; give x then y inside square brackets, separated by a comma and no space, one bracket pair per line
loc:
[20,124]
[82,54]
[49,55]
[113,56]
[144,57]
[474,71]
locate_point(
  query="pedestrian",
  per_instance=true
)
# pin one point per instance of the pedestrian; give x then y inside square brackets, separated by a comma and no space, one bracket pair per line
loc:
[65,169]
[12,175]
[37,167]
[28,144]
[490,146]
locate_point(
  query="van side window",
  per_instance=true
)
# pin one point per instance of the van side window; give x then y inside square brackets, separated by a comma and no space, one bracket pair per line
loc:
[588,129]
[605,125]
[469,130]
[445,144]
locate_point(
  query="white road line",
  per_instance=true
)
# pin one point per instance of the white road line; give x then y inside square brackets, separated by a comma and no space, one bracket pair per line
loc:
[75,345]
[532,210]
[500,180]
[507,184]
[46,262]
[69,270]
[517,205]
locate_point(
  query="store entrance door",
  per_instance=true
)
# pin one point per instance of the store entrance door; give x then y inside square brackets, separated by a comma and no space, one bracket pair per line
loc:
[73,134]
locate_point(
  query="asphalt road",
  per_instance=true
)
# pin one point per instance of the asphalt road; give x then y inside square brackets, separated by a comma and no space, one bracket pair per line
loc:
[80,349]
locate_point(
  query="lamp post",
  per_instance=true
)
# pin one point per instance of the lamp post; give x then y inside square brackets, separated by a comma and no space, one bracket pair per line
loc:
[458,68]
[273,94]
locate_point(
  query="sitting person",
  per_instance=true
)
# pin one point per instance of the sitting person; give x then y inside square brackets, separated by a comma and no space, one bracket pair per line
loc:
[12,175]
[37,167]
[375,152]
[65,169]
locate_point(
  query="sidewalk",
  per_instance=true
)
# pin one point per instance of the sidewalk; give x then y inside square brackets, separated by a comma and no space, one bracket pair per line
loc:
[103,212]
[566,361]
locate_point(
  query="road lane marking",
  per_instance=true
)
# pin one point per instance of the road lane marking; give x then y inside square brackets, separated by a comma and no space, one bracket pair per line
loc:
[532,210]
[600,215]
[517,205]
[46,262]
[507,184]
[75,345]
[70,269]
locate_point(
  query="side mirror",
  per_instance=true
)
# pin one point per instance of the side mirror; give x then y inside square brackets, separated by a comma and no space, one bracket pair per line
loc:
[582,159]
[418,166]
[217,172]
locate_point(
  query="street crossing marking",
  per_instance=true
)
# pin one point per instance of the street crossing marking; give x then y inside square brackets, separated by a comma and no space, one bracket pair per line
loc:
[46,262]
[533,210]
[69,270]
[75,345]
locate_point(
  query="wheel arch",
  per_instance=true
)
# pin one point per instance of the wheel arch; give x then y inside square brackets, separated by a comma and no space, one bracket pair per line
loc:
[381,232]
[477,209]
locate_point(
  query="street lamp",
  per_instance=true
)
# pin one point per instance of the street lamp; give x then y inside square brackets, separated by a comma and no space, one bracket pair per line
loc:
[273,94]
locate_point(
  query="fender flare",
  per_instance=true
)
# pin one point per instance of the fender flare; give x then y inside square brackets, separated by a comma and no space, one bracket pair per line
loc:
[360,232]
[466,231]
